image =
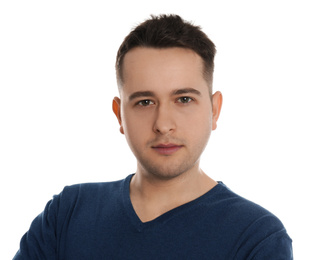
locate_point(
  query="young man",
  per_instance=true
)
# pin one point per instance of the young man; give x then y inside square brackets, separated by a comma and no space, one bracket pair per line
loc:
[168,209]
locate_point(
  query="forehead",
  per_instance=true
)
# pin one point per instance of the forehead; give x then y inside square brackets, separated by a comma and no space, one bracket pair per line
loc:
[153,68]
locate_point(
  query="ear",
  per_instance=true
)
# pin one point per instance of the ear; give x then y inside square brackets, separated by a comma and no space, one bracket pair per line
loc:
[116,107]
[217,103]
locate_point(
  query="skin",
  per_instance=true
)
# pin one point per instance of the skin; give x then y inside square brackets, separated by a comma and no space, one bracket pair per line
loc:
[165,101]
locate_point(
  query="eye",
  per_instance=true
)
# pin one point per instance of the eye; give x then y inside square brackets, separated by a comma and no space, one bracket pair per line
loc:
[145,103]
[184,100]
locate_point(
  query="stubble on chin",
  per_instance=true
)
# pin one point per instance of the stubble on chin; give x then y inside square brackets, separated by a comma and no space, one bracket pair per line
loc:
[167,169]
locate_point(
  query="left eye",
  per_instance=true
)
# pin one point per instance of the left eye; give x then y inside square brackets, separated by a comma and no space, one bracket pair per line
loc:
[184,100]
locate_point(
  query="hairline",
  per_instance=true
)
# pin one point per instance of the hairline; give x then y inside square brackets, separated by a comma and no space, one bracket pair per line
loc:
[206,74]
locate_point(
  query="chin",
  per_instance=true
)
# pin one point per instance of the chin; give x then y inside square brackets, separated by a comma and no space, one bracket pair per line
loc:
[166,175]
[169,172]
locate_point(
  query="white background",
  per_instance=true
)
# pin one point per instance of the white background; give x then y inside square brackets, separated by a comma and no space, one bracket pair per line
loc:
[57,82]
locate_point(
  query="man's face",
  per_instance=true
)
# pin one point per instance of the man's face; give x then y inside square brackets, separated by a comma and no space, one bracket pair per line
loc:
[165,109]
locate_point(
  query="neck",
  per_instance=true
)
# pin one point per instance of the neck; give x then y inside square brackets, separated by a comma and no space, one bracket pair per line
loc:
[152,196]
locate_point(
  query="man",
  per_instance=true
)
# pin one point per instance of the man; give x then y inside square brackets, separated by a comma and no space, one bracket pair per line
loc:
[168,209]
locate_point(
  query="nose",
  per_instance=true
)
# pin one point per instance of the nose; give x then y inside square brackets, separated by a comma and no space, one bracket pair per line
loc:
[164,120]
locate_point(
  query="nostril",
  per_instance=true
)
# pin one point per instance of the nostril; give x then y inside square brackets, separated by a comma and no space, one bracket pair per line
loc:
[164,121]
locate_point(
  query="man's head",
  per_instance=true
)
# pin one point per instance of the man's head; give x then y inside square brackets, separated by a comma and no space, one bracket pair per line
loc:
[167,31]
[165,109]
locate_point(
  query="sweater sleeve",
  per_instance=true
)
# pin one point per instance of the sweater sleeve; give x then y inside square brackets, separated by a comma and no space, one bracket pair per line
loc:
[266,238]
[40,241]
[278,246]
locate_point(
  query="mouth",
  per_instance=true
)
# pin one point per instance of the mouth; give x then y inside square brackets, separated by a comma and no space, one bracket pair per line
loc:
[166,149]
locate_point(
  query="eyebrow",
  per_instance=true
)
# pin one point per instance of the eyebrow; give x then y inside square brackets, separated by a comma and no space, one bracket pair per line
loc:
[186,91]
[141,94]
[174,92]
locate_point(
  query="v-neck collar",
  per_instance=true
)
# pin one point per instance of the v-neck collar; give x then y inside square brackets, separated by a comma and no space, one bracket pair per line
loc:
[141,226]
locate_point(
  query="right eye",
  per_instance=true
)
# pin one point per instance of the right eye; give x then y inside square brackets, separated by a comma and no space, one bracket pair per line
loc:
[145,103]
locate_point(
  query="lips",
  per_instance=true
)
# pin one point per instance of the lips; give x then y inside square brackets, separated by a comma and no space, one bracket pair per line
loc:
[166,149]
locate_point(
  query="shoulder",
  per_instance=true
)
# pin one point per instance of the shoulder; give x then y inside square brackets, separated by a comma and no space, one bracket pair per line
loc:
[92,190]
[87,195]
[252,217]
[258,232]
[95,187]
[240,208]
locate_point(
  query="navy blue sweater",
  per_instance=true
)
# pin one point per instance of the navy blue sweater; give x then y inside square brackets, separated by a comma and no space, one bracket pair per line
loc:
[97,221]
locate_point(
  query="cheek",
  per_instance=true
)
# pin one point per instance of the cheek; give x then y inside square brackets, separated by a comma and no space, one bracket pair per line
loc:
[136,127]
[197,130]
[196,119]
[197,126]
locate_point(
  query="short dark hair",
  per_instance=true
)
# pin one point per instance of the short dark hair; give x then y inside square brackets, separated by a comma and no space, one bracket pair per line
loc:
[165,31]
